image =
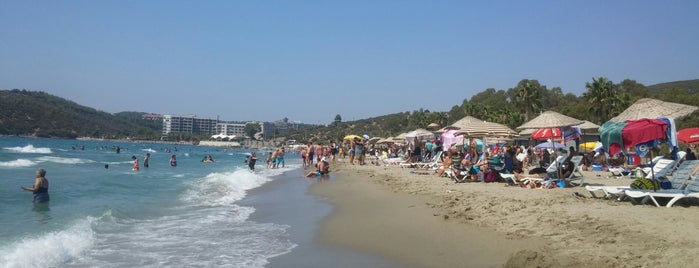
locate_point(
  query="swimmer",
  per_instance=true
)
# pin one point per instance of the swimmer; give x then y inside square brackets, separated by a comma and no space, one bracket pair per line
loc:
[173,161]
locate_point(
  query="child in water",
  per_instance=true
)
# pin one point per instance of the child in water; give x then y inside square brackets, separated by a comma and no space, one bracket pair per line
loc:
[135,163]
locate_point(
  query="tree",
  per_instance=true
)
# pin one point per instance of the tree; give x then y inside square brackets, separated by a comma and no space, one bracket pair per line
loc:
[606,99]
[338,120]
[529,96]
[251,129]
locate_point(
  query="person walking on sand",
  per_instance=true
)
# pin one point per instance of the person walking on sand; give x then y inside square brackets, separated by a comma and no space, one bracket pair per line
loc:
[40,188]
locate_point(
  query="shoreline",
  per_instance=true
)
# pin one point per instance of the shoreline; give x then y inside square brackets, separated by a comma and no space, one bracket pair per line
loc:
[427,221]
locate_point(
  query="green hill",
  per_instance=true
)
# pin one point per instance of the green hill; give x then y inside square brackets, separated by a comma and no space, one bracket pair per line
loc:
[690,86]
[43,115]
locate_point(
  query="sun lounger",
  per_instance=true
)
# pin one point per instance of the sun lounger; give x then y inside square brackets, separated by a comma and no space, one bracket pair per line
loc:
[681,181]
[660,170]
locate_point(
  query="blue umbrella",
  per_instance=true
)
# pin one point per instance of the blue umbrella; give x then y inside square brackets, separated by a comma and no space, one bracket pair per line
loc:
[549,145]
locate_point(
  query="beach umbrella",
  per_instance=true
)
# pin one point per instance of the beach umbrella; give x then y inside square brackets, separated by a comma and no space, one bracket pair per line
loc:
[550,145]
[589,146]
[433,126]
[550,119]
[473,127]
[652,108]
[400,137]
[420,134]
[587,125]
[374,139]
[688,135]
[386,140]
[351,137]
[366,136]
[546,133]
[448,138]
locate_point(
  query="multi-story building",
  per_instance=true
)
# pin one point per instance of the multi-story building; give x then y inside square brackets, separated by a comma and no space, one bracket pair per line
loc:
[188,124]
[212,126]
[229,129]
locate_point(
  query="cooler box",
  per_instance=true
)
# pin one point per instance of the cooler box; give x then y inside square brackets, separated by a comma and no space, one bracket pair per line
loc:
[596,167]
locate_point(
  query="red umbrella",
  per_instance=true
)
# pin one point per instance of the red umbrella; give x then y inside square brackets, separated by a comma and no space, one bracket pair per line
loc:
[688,135]
[546,133]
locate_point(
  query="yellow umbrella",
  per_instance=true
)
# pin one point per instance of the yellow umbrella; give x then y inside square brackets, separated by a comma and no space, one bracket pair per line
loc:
[589,146]
[351,137]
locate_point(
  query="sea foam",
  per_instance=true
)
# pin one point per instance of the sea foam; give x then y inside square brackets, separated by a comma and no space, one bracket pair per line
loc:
[29,149]
[18,163]
[64,160]
[50,249]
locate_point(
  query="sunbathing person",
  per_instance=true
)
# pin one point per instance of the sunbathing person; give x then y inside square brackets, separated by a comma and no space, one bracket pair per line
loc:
[471,169]
[535,173]
[446,164]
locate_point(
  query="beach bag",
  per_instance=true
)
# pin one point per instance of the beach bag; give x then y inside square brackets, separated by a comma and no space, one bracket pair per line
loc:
[645,184]
[491,176]
[665,184]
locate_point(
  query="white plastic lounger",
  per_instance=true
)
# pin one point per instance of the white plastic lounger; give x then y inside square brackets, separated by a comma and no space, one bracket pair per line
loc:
[680,188]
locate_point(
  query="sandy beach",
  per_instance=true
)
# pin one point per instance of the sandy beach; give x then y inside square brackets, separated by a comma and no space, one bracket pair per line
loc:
[428,221]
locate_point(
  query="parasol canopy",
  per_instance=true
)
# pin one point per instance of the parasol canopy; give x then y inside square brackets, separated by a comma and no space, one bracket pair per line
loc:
[688,135]
[652,108]
[351,137]
[420,134]
[546,133]
[400,137]
[385,140]
[433,126]
[474,127]
[550,145]
[587,125]
[550,119]
[589,146]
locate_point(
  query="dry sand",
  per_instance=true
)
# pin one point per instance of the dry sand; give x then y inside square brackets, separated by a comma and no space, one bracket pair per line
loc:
[428,221]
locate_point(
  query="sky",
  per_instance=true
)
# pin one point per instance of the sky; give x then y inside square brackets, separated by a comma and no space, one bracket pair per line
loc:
[311,60]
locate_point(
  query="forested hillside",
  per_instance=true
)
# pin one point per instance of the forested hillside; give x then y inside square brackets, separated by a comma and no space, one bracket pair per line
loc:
[43,115]
[602,100]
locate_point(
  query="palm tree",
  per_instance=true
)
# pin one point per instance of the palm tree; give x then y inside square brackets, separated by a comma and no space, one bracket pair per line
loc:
[604,96]
[529,94]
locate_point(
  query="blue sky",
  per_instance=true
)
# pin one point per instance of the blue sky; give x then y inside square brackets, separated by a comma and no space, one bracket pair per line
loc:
[311,60]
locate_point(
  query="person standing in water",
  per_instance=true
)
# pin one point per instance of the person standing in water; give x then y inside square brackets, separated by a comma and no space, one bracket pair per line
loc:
[173,161]
[251,162]
[146,160]
[41,187]
[135,163]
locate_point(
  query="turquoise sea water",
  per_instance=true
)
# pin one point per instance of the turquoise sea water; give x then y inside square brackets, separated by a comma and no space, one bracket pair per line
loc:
[115,217]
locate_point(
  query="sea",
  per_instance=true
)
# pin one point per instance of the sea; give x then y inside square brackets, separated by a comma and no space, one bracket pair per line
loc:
[196,214]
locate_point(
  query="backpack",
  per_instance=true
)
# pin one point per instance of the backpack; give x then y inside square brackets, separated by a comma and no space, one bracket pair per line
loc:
[645,184]
[491,176]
